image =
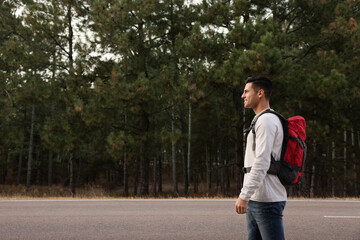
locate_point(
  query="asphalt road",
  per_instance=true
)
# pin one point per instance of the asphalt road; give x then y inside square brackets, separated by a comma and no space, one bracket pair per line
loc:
[168,219]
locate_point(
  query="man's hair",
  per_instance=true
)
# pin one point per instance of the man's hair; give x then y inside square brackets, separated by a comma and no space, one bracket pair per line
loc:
[261,82]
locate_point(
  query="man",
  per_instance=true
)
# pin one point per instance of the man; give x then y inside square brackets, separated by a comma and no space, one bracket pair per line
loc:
[262,197]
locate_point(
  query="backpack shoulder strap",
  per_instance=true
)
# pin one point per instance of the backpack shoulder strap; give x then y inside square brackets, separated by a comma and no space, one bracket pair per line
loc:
[284,123]
[252,127]
[283,120]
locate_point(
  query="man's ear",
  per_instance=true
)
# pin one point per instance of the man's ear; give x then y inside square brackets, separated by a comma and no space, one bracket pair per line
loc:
[261,93]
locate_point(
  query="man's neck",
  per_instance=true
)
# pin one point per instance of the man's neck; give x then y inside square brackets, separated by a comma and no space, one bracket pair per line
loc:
[261,107]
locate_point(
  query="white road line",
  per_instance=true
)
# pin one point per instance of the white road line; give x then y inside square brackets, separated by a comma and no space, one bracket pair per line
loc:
[349,217]
[329,201]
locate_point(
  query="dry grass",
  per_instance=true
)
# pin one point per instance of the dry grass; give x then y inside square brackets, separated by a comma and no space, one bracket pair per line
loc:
[12,192]
[55,192]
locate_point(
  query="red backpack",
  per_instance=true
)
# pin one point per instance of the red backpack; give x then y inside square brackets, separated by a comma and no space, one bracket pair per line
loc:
[293,154]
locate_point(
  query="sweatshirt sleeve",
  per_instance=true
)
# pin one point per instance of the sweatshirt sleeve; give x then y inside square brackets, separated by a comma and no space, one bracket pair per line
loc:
[265,130]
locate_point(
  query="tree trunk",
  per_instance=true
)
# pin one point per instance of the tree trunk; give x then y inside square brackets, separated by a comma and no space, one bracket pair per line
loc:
[77,183]
[7,161]
[72,182]
[154,177]
[31,143]
[196,182]
[51,154]
[126,183]
[3,169]
[186,183]
[160,172]
[144,187]
[227,164]
[356,175]
[71,71]
[220,158]
[70,38]
[239,138]
[38,166]
[144,160]
[189,144]
[354,166]
[183,154]
[312,184]
[312,172]
[136,180]
[20,162]
[208,170]
[21,152]
[52,110]
[345,162]
[333,156]
[174,61]
[176,193]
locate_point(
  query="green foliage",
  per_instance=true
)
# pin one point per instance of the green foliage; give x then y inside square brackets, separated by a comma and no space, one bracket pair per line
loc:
[107,76]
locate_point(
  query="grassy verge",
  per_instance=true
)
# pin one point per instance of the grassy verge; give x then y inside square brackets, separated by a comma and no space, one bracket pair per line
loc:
[12,192]
[9,192]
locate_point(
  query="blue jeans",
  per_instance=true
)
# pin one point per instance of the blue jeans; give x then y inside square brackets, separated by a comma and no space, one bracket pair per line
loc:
[264,220]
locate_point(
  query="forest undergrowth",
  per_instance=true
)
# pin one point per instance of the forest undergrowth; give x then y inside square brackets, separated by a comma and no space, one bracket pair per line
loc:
[18,192]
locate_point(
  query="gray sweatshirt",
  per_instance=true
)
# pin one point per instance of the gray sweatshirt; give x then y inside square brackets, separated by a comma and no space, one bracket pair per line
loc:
[258,185]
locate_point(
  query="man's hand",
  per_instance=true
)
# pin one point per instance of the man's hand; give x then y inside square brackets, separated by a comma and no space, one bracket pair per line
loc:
[241,206]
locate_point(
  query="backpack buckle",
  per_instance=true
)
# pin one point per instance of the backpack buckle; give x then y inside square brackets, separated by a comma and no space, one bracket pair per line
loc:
[246,170]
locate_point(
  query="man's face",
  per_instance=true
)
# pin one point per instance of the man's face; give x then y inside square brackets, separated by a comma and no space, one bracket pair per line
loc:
[250,96]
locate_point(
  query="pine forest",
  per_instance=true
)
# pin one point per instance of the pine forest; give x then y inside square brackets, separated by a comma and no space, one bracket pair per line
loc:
[143,97]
